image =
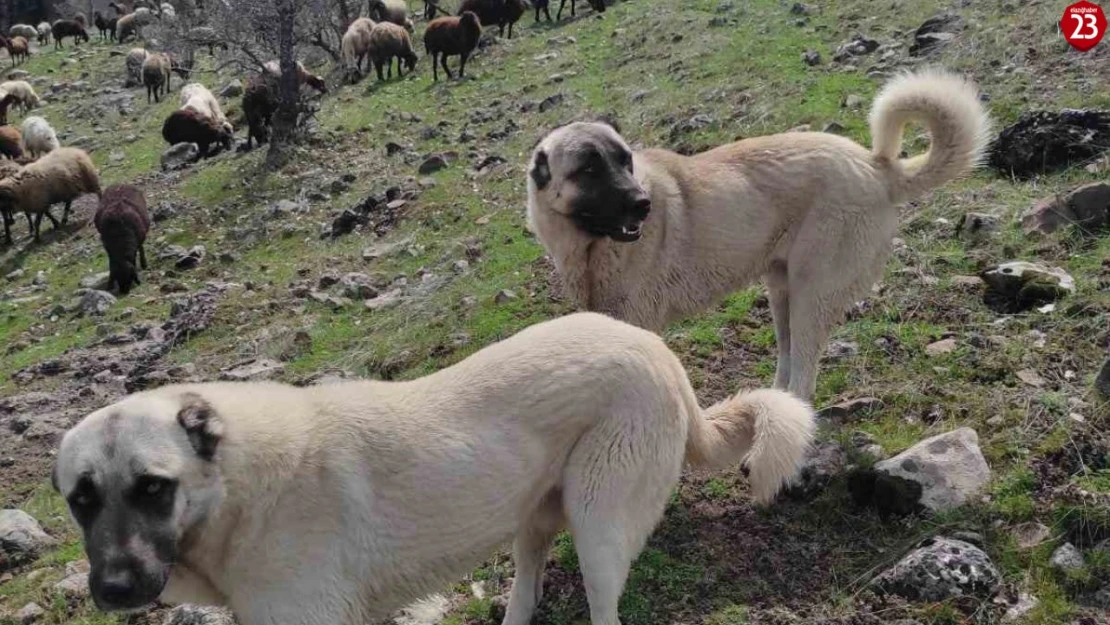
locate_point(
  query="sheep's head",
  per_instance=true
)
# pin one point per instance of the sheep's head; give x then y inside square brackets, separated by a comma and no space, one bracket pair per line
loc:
[469,20]
[410,60]
[316,82]
[123,274]
[82,33]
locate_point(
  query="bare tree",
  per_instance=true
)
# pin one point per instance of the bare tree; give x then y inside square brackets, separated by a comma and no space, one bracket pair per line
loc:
[285,118]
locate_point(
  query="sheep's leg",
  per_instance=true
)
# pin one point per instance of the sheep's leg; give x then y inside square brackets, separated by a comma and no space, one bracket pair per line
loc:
[435,68]
[37,223]
[448,69]
[378,69]
[142,256]
[65,214]
[462,64]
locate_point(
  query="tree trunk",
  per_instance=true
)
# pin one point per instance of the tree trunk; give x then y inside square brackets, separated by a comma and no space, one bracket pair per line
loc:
[285,118]
[5,16]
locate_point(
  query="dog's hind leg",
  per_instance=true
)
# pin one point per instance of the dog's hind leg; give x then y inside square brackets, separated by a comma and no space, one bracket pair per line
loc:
[778,293]
[530,556]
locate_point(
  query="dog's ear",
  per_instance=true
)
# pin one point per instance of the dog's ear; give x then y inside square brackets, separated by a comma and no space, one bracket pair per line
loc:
[609,120]
[201,423]
[541,170]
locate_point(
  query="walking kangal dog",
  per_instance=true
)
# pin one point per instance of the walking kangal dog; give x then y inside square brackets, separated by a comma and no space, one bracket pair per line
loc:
[651,237]
[335,504]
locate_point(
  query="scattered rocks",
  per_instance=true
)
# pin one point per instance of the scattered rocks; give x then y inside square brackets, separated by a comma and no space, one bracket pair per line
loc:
[839,350]
[850,409]
[1031,534]
[21,538]
[258,369]
[1066,558]
[503,296]
[191,258]
[1032,378]
[941,347]
[358,286]
[811,58]
[1086,207]
[180,156]
[949,467]
[1044,141]
[940,569]
[1019,285]
[823,462]
[977,225]
[29,613]
[94,302]
[386,300]
[432,164]
[858,46]
[74,587]
[935,33]
[198,615]
[551,102]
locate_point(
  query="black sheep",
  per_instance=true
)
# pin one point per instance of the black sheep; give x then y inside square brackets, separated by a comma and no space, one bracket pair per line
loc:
[495,12]
[598,5]
[259,104]
[106,25]
[68,28]
[189,126]
[122,221]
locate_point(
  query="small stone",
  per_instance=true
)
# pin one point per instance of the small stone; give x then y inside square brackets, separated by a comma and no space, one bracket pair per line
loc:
[551,102]
[21,537]
[839,350]
[393,147]
[233,89]
[949,467]
[1030,377]
[95,302]
[1067,558]
[191,258]
[848,410]
[432,164]
[14,275]
[941,569]
[260,369]
[811,58]
[504,295]
[853,101]
[941,347]
[1017,611]
[1031,534]
[459,266]
[29,613]
[73,587]
[977,225]
[179,156]
[833,128]
[198,615]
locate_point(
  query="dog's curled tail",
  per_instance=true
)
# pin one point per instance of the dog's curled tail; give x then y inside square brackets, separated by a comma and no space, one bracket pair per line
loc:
[768,430]
[958,124]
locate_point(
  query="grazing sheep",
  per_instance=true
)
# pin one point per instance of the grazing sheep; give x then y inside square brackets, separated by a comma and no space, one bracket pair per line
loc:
[26,31]
[118,8]
[303,77]
[123,223]
[495,12]
[356,44]
[128,26]
[61,176]
[134,63]
[598,5]
[38,137]
[189,126]
[450,36]
[395,11]
[10,143]
[6,100]
[183,67]
[259,104]
[68,28]
[19,49]
[23,94]
[44,33]
[197,97]
[105,25]
[389,41]
[156,76]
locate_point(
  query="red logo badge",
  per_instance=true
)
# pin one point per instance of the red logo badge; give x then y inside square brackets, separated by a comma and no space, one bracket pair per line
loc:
[1083,25]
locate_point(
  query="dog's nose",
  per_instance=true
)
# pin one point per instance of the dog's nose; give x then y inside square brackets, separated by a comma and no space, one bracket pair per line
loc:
[642,207]
[117,587]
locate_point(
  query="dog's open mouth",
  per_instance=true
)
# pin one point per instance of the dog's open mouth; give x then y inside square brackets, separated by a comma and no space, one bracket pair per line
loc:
[628,232]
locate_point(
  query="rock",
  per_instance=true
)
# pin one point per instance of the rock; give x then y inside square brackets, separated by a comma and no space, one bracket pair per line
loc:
[1087,207]
[853,101]
[29,613]
[977,225]
[941,569]
[935,33]
[345,223]
[848,410]
[74,587]
[949,467]
[833,128]
[1102,380]
[858,46]
[198,615]
[799,8]
[180,156]
[839,350]
[432,164]
[938,348]
[823,462]
[550,102]
[386,300]
[1044,141]
[1031,534]
[1017,611]
[358,286]
[14,275]
[234,89]
[459,266]
[39,279]
[1067,558]
[1030,377]
[259,369]
[1019,285]
[191,258]
[811,58]
[18,74]
[504,295]
[21,538]
[94,302]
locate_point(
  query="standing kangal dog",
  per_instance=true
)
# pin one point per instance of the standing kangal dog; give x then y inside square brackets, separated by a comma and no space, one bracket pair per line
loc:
[334,504]
[651,237]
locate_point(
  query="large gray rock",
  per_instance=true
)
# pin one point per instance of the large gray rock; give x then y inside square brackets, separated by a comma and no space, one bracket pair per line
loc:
[823,462]
[949,467]
[29,613]
[1066,558]
[1020,285]
[198,615]
[941,568]
[21,538]
[180,156]
[1087,207]
[94,302]
[234,89]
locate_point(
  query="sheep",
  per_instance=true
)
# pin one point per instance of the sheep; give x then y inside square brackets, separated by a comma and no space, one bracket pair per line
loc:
[23,94]
[395,11]
[119,9]
[105,25]
[134,62]
[197,97]
[495,12]
[44,33]
[183,67]
[82,20]
[61,176]
[303,77]
[431,7]
[38,137]
[10,143]
[356,44]
[450,36]
[18,48]
[205,36]
[6,100]
[26,31]
[598,5]
[389,41]
[156,76]
[123,223]
[128,26]
[259,104]
[189,126]
[68,28]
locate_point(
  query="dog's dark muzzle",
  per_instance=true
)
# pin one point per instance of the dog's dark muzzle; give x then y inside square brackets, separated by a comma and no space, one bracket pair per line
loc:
[632,226]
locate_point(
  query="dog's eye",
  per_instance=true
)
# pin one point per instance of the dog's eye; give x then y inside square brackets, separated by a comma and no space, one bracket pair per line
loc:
[153,487]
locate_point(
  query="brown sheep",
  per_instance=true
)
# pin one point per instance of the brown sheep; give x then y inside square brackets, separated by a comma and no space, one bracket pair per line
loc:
[18,49]
[389,41]
[61,176]
[156,76]
[395,11]
[189,126]
[123,223]
[6,100]
[68,28]
[259,104]
[495,12]
[450,36]
[303,77]
[105,25]
[10,142]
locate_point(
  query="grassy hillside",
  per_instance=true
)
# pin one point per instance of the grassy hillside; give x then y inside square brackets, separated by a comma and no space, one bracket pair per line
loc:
[684,75]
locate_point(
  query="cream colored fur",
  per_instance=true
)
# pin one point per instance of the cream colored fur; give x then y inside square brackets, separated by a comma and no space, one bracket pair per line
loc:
[197,97]
[335,504]
[62,175]
[24,93]
[813,214]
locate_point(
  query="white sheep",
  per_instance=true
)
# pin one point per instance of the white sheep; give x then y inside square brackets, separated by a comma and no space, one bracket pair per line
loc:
[61,176]
[197,97]
[44,33]
[24,94]
[26,31]
[356,43]
[38,137]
